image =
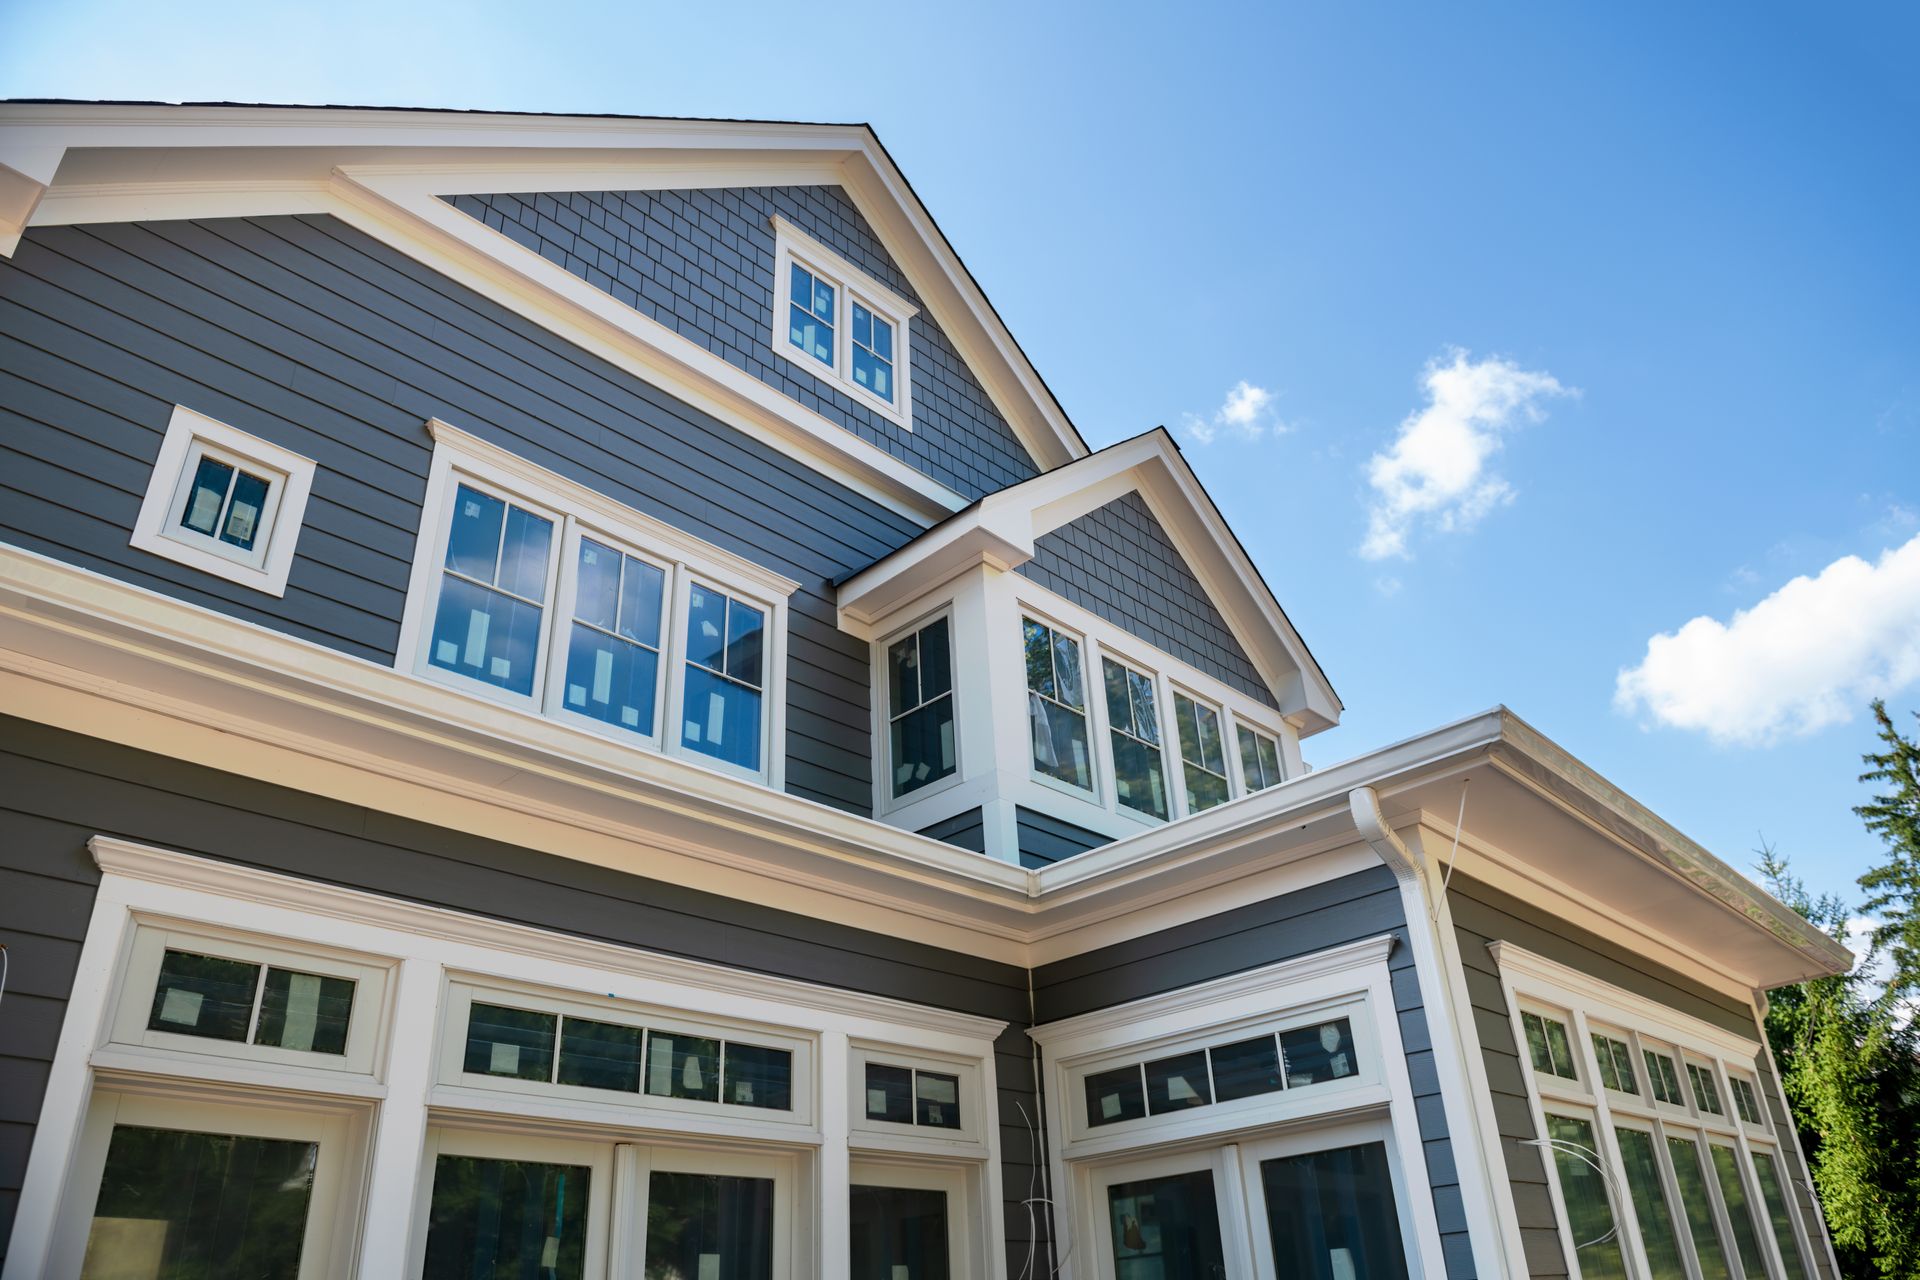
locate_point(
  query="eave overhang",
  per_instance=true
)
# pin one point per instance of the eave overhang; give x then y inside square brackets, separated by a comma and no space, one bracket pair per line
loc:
[85,652]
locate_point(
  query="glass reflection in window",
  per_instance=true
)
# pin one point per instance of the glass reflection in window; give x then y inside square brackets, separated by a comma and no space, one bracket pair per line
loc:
[507,1220]
[810,314]
[1576,1158]
[920,708]
[682,1066]
[703,1225]
[1314,1055]
[1203,756]
[493,591]
[1057,705]
[872,352]
[899,1233]
[1133,722]
[516,1043]
[1166,1228]
[1331,1215]
[226,502]
[725,674]
[1259,759]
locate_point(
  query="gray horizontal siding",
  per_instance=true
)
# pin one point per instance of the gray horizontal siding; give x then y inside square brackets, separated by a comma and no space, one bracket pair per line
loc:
[1365,904]
[312,335]
[1045,840]
[1482,915]
[965,830]
[701,263]
[1118,562]
[57,789]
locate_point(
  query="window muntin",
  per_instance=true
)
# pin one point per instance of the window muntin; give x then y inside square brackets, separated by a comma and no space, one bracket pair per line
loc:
[1583,1190]
[613,648]
[1259,758]
[1549,1046]
[1745,1101]
[1203,754]
[1705,1095]
[1663,1081]
[1133,725]
[1614,1059]
[725,673]
[228,502]
[1057,705]
[1773,1194]
[1650,1206]
[920,709]
[1295,1057]
[489,618]
[810,319]
[872,352]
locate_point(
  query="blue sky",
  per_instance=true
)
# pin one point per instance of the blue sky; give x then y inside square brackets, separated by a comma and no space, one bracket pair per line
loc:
[1624,298]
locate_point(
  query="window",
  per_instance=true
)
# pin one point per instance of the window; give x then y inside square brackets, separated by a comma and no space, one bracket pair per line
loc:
[224,502]
[1702,1224]
[1259,758]
[835,321]
[908,1221]
[504,1205]
[1704,1093]
[1133,723]
[920,720]
[1662,1080]
[546,595]
[1740,1208]
[1650,1206]
[903,1095]
[1583,1190]
[1744,1100]
[1057,705]
[909,1102]
[1243,1068]
[203,994]
[1615,1062]
[1548,1045]
[1202,754]
[1330,1214]
[1773,1193]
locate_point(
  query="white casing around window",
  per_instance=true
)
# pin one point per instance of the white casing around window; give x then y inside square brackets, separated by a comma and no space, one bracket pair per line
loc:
[851,284]
[882,1135]
[157,528]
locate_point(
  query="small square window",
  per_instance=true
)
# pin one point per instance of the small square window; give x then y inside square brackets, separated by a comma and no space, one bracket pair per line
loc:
[1549,1047]
[1259,759]
[835,322]
[1662,1080]
[224,502]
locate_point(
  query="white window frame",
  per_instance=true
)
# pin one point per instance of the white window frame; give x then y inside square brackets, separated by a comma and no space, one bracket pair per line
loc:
[1229,741]
[884,711]
[461,458]
[1096,793]
[1534,983]
[1237,769]
[365,1023]
[967,1247]
[882,1135]
[792,245]
[332,1217]
[191,435]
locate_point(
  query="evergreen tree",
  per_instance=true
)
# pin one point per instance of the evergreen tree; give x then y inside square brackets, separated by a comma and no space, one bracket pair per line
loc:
[1893,888]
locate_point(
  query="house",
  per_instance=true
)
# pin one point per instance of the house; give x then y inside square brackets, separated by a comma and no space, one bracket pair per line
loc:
[573,706]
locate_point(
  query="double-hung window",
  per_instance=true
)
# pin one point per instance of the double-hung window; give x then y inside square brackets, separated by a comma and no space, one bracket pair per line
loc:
[920,722]
[1057,705]
[1133,722]
[833,320]
[534,590]
[1202,753]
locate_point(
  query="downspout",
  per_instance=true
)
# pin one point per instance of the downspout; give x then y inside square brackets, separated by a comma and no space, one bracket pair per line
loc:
[1492,1227]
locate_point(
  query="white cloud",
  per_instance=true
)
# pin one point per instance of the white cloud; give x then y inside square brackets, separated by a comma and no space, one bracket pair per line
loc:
[1248,412]
[1436,471]
[1808,656]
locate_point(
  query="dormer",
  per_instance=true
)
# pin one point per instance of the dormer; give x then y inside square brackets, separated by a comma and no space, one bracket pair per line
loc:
[1078,658]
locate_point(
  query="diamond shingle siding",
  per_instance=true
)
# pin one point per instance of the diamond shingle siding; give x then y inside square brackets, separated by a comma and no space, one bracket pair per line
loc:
[701,263]
[1119,563]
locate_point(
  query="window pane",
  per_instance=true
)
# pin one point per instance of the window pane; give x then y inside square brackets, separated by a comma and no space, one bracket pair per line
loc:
[1146,720]
[1314,1055]
[680,1066]
[873,373]
[1137,775]
[485,636]
[758,1077]
[1562,1049]
[597,585]
[704,1227]
[1113,1096]
[517,1043]
[1704,1091]
[1060,742]
[1623,1067]
[810,335]
[611,680]
[898,1233]
[200,1205]
[882,339]
[1576,1158]
[600,1055]
[746,626]
[204,996]
[1244,1069]
[473,540]
[642,595]
[1204,790]
[706,627]
[1186,713]
[242,524]
[523,555]
[1039,647]
[1066,667]
[903,675]
[1166,1228]
[889,1093]
[507,1220]
[1250,766]
[1740,1210]
[923,750]
[1774,1193]
[304,1011]
[936,1100]
[862,325]
[1603,1059]
[1331,1215]
[722,719]
[1269,759]
[936,660]
[1177,1083]
[1650,1205]
[1692,1184]
[207,496]
[823,300]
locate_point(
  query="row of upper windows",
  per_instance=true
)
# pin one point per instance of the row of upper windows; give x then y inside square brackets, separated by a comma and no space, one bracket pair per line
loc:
[566,605]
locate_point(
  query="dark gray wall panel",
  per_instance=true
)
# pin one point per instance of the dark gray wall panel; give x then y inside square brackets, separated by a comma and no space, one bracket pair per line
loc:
[1482,915]
[701,263]
[1118,562]
[965,830]
[57,789]
[1363,905]
[1045,840]
[316,337]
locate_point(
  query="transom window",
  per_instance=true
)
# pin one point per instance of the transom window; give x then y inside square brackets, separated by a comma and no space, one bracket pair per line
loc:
[906,1102]
[535,591]
[909,1095]
[1292,1058]
[1615,1062]
[1259,759]
[225,502]
[1202,754]
[1704,1092]
[1057,705]
[1662,1079]
[920,720]
[1549,1045]
[836,322]
[1744,1100]
[1133,723]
